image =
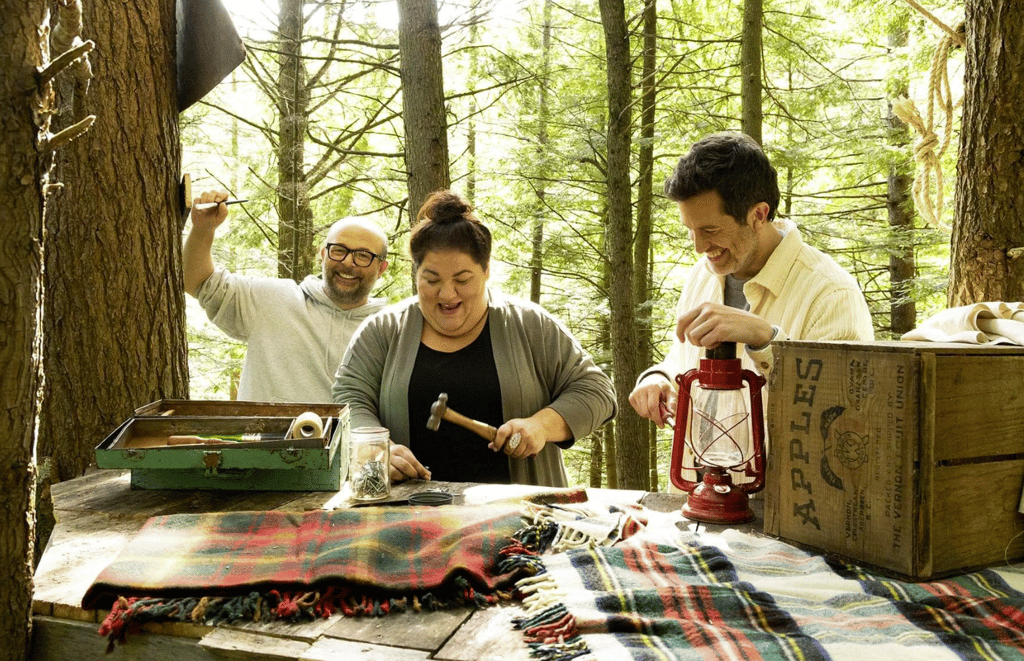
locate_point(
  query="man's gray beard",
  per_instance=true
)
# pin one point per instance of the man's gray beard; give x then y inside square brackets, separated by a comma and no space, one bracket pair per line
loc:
[349,297]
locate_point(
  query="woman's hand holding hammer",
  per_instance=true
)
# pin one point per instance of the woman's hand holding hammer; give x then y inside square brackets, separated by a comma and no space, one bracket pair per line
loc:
[525,437]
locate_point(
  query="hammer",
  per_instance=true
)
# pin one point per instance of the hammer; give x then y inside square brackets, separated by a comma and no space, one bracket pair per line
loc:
[439,410]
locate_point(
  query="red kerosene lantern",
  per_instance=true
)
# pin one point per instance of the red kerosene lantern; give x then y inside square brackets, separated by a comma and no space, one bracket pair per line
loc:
[724,433]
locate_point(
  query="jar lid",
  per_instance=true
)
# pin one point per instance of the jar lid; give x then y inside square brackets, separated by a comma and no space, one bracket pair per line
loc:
[430,498]
[370,434]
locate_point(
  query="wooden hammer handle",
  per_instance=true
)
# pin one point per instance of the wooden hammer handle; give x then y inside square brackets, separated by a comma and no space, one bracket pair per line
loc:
[481,428]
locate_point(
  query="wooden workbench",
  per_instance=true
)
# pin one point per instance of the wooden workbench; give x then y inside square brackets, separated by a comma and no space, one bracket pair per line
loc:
[99,513]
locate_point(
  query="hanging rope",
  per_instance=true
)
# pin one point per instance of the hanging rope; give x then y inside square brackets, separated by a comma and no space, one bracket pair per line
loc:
[956,35]
[930,148]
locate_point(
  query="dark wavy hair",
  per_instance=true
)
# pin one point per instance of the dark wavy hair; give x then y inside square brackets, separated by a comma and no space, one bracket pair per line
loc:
[447,222]
[734,166]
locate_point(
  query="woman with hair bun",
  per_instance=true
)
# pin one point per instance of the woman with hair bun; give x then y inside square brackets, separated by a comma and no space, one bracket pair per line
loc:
[501,360]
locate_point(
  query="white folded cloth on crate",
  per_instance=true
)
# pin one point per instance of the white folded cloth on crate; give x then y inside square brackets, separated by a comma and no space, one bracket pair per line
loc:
[994,322]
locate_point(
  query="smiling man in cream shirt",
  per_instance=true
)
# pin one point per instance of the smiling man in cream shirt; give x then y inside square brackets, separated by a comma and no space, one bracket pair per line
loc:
[756,283]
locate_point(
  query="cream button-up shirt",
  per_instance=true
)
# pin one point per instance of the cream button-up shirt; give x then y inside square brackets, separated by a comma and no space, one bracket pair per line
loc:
[800,290]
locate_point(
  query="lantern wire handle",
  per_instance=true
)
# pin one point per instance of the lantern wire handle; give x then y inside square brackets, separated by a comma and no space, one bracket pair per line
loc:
[724,433]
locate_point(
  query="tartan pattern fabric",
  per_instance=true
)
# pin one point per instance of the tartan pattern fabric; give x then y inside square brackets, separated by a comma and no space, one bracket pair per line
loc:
[389,549]
[737,596]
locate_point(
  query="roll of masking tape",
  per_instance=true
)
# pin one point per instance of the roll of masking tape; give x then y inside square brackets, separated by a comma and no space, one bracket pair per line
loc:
[307,425]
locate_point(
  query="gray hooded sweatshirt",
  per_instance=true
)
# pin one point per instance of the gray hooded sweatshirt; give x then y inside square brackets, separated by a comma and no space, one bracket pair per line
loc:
[296,335]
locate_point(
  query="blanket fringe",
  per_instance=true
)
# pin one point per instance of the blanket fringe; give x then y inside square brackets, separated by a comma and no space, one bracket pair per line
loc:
[554,526]
[539,592]
[537,539]
[549,629]
[128,614]
[551,634]
[561,651]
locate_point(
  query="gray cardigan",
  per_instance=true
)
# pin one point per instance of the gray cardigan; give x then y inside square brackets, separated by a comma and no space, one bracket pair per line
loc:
[539,364]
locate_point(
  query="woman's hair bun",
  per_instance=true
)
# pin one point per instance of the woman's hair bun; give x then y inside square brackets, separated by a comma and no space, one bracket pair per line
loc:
[446,222]
[445,207]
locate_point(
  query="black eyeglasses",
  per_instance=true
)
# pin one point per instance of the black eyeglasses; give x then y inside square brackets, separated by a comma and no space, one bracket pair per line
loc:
[360,257]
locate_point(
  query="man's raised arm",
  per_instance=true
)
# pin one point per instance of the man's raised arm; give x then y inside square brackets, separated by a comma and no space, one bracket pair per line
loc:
[197,256]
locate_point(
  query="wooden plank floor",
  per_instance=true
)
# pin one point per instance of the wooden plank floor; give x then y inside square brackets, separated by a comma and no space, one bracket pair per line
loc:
[99,513]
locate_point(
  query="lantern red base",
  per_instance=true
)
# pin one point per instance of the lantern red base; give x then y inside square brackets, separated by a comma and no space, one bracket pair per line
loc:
[717,500]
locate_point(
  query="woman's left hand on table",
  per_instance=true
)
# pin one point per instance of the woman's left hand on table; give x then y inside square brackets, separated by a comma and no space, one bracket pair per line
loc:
[405,466]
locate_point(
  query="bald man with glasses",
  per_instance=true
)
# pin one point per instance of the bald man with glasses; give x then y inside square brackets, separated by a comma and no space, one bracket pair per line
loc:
[296,333]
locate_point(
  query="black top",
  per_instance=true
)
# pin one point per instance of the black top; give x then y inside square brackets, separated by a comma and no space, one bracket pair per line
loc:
[470,377]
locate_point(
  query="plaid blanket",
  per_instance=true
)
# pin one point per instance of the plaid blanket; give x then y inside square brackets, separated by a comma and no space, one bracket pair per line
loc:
[266,565]
[736,596]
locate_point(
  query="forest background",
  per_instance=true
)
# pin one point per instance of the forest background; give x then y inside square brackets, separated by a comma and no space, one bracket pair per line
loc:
[310,129]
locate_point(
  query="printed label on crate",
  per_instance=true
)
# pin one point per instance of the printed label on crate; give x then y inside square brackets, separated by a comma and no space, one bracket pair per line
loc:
[845,421]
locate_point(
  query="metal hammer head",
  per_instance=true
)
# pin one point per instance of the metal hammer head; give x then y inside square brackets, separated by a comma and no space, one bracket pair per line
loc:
[437,410]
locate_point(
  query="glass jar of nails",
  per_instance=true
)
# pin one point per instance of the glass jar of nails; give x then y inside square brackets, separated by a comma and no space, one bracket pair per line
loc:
[369,465]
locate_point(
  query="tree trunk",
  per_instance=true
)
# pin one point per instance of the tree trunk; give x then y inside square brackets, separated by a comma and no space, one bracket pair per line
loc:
[23,174]
[902,265]
[235,153]
[608,455]
[596,456]
[631,439]
[543,118]
[474,76]
[295,219]
[988,232]
[423,110]
[642,275]
[750,68]
[787,184]
[471,155]
[114,328]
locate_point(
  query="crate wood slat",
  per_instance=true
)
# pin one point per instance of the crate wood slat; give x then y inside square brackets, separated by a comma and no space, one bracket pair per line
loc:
[923,492]
[979,514]
[978,413]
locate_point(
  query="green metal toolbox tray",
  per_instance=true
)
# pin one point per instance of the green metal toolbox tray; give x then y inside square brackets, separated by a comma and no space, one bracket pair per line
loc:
[266,463]
[206,408]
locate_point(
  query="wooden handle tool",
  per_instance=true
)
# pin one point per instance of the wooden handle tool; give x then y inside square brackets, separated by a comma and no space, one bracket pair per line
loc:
[439,411]
[203,206]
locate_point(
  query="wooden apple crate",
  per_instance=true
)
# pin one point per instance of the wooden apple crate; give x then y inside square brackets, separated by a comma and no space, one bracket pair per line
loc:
[902,456]
[313,464]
